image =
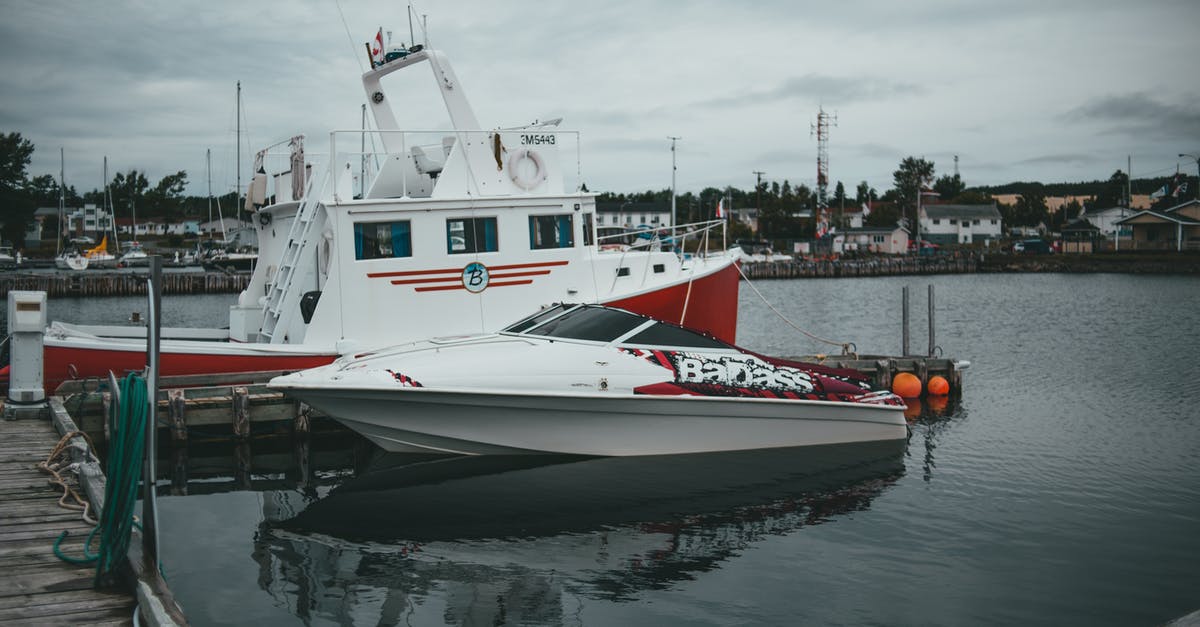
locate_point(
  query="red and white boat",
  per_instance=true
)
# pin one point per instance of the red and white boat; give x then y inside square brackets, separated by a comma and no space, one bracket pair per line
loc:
[428,234]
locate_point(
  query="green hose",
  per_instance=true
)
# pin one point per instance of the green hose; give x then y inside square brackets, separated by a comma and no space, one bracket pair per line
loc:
[127,425]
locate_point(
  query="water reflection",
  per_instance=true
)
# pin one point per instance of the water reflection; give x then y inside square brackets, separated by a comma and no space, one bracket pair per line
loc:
[928,419]
[525,539]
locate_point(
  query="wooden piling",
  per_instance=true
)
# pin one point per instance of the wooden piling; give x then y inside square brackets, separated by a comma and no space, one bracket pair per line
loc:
[175,408]
[241,412]
[100,283]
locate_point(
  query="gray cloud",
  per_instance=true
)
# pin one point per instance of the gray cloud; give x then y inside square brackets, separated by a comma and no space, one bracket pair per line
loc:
[819,89]
[1141,114]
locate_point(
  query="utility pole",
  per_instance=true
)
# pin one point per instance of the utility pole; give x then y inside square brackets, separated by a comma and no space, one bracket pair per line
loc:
[758,203]
[674,222]
[1197,158]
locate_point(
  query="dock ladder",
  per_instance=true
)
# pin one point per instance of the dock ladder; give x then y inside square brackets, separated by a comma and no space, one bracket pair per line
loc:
[283,297]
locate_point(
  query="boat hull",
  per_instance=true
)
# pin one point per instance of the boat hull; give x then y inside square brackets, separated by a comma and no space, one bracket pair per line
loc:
[496,423]
[67,360]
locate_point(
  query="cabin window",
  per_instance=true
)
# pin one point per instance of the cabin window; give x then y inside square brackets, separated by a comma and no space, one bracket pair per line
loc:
[471,235]
[953,221]
[878,239]
[660,268]
[975,222]
[937,221]
[382,240]
[551,232]
[623,271]
[588,231]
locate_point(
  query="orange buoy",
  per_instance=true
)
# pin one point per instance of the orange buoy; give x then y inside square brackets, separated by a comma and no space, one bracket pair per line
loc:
[906,385]
[938,386]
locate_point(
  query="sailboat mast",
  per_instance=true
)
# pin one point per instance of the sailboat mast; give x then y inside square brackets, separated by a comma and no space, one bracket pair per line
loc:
[239,152]
[208,163]
[107,206]
[62,200]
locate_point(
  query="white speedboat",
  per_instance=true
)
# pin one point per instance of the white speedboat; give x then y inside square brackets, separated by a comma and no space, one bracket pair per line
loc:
[593,380]
[431,232]
[134,256]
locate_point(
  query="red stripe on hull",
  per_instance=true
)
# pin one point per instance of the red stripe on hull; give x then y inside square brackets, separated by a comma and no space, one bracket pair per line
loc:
[712,306]
[96,363]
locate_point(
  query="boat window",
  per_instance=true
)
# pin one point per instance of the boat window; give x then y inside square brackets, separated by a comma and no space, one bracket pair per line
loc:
[588,238]
[537,318]
[471,235]
[551,232]
[382,240]
[590,323]
[670,335]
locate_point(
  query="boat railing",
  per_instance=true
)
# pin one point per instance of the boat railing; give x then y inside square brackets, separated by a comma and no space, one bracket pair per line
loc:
[409,163]
[275,179]
[676,237]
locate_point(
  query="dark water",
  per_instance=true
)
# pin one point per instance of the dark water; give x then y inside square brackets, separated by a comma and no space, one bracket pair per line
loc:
[1065,489]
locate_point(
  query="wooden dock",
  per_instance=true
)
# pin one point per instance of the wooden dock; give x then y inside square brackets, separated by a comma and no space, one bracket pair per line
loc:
[100,283]
[36,587]
[871,266]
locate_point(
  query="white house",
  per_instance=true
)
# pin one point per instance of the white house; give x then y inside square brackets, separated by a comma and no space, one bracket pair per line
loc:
[960,224]
[633,214]
[1106,219]
[890,240]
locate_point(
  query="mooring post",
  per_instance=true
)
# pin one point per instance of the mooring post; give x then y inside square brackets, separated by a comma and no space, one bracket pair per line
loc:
[932,341]
[883,373]
[904,321]
[179,472]
[175,407]
[241,412]
[242,468]
[301,425]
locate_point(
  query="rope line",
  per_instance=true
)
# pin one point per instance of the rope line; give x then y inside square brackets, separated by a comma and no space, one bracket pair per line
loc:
[845,346]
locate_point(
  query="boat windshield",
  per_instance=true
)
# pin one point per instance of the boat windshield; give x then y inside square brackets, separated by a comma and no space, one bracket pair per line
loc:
[597,324]
[660,334]
[537,318]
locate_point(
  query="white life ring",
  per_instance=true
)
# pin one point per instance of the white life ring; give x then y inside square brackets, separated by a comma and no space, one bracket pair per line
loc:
[539,172]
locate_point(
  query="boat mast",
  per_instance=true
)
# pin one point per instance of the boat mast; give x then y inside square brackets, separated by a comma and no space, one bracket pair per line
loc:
[238,189]
[208,163]
[62,200]
[107,205]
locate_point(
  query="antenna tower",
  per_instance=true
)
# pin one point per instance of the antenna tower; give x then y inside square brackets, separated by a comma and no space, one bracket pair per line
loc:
[821,131]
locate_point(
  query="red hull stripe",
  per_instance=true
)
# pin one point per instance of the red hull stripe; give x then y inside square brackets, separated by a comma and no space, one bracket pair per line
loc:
[512,266]
[437,280]
[438,288]
[380,275]
[506,275]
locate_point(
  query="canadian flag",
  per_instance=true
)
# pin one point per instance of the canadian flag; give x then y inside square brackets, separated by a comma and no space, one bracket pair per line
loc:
[721,208]
[377,57]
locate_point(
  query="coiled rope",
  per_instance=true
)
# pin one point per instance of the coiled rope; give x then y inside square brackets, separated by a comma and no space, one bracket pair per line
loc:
[59,460]
[127,425]
[848,348]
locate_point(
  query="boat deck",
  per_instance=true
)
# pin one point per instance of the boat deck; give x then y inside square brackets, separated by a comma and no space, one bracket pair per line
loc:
[35,586]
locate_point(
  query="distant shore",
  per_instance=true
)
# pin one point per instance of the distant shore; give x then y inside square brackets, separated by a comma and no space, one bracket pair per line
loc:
[973,262]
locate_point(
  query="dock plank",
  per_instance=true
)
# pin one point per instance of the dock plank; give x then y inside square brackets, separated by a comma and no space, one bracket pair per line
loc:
[35,586]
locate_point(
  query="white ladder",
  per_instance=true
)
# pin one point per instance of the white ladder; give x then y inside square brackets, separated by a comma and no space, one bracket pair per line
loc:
[283,299]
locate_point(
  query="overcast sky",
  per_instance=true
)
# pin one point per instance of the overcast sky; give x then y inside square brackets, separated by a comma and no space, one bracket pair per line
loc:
[1058,90]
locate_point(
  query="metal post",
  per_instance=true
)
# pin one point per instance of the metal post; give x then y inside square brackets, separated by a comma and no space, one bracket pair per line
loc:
[932,341]
[674,222]
[153,335]
[904,318]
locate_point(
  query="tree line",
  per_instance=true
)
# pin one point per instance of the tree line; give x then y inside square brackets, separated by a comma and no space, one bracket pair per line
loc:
[781,205]
[127,194]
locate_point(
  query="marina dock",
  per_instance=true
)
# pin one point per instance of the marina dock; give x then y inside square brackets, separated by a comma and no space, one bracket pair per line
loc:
[36,587]
[98,283]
